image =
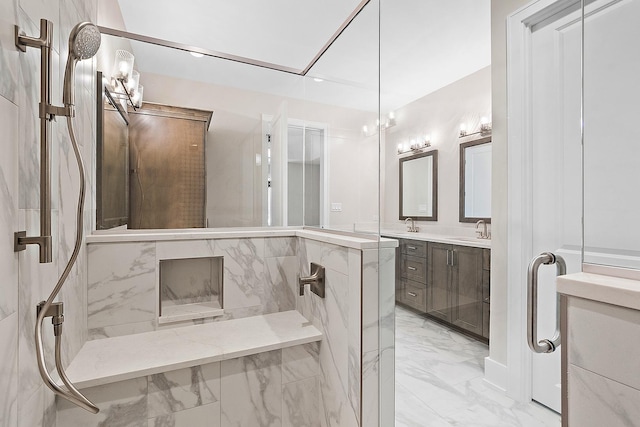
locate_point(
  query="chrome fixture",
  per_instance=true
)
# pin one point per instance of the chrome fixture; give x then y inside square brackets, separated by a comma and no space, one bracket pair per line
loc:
[485,128]
[84,42]
[316,280]
[411,227]
[414,145]
[47,113]
[125,81]
[545,345]
[484,233]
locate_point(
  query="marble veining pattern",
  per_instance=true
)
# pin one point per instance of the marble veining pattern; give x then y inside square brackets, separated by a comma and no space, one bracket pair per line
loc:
[8,208]
[121,292]
[280,284]
[335,317]
[200,416]
[8,53]
[121,404]
[439,381]
[243,271]
[599,401]
[300,403]
[182,389]
[300,362]
[252,391]
[9,370]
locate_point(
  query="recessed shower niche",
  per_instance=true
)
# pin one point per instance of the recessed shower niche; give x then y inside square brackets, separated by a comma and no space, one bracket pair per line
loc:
[190,288]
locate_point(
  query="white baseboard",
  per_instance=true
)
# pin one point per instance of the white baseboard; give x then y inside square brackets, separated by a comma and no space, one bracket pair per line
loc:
[496,374]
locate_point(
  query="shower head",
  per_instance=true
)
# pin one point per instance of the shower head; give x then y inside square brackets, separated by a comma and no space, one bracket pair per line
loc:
[84,42]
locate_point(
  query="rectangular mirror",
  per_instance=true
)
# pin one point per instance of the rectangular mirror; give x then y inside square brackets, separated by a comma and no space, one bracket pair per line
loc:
[475,180]
[112,165]
[419,186]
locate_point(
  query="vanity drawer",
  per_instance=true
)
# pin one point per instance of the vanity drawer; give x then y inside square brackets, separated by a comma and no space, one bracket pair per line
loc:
[414,295]
[414,268]
[414,247]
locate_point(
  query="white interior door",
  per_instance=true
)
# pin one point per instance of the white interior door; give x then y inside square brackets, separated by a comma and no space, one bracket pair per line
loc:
[556,167]
[545,177]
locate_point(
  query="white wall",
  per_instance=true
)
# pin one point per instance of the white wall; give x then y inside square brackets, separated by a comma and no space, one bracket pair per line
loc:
[440,114]
[500,9]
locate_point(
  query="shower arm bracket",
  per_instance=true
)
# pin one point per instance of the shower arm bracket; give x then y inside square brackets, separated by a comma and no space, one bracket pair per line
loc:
[56,312]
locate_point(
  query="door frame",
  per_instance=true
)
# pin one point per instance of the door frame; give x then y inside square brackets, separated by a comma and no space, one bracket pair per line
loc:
[519,188]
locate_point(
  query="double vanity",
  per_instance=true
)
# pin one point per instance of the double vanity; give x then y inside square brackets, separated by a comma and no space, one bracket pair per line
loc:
[446,279]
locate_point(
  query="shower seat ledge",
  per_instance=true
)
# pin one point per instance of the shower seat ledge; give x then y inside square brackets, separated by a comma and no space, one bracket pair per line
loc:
[110,360]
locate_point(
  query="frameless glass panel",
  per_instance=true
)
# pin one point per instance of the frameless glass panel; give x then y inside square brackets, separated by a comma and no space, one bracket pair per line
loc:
[611,153]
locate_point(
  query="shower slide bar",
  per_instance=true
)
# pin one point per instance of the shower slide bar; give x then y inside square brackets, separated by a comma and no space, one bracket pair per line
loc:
[84,42]
[46,114]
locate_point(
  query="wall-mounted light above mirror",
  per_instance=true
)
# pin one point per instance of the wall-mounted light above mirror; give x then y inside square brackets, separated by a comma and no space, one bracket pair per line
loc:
[419,186]
[475,180]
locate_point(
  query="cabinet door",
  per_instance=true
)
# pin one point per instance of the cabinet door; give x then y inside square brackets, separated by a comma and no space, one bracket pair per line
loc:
[466,289]
[399,281]
[438,277]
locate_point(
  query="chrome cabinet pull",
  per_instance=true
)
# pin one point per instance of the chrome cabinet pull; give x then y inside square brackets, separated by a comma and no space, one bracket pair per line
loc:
[412,268]
[413,248]
[545,345]
[413,294]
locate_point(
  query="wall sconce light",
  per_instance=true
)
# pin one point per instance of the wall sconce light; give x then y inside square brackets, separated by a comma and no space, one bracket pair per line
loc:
[389,121]
[485,128]
[485,125]
[125,81]
[418,144]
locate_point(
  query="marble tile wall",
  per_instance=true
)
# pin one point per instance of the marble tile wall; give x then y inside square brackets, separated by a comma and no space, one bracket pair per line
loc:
[378,336]
[278,388]
[259,277]
[25,401]
[337,316]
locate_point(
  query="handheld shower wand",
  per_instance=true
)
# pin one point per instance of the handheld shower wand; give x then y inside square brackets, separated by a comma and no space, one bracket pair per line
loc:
[84,42]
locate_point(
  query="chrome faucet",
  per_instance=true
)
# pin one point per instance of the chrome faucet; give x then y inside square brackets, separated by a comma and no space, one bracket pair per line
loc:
[411,227]
[482,234]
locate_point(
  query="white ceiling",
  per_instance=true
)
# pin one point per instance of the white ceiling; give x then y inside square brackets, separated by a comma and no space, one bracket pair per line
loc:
[424,45]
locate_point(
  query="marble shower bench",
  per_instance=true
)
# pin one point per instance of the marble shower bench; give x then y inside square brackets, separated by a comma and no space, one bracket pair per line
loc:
[234,372]
[115,359]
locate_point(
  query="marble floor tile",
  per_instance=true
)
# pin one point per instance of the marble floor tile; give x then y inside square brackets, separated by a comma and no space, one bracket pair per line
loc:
[440,381]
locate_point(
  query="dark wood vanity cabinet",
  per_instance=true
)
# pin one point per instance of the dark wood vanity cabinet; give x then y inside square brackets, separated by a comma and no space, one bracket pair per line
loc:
[411,273]
[448,282]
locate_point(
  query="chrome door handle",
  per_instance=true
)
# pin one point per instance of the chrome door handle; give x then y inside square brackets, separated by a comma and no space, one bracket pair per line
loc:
[545,345]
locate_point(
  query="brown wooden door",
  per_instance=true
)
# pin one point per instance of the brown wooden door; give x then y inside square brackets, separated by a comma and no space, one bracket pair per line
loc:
[466,289]
[167,172]
[438,279]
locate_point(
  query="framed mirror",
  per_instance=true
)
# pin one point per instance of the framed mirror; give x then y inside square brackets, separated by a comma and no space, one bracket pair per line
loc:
[419,186]
[475,180]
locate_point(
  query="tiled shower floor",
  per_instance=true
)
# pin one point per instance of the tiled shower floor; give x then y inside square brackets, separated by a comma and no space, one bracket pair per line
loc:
[439,381]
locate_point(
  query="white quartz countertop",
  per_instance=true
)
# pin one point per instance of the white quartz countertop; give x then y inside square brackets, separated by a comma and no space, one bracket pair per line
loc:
[596,287]
[132,356]
[346,239]
[438,238]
